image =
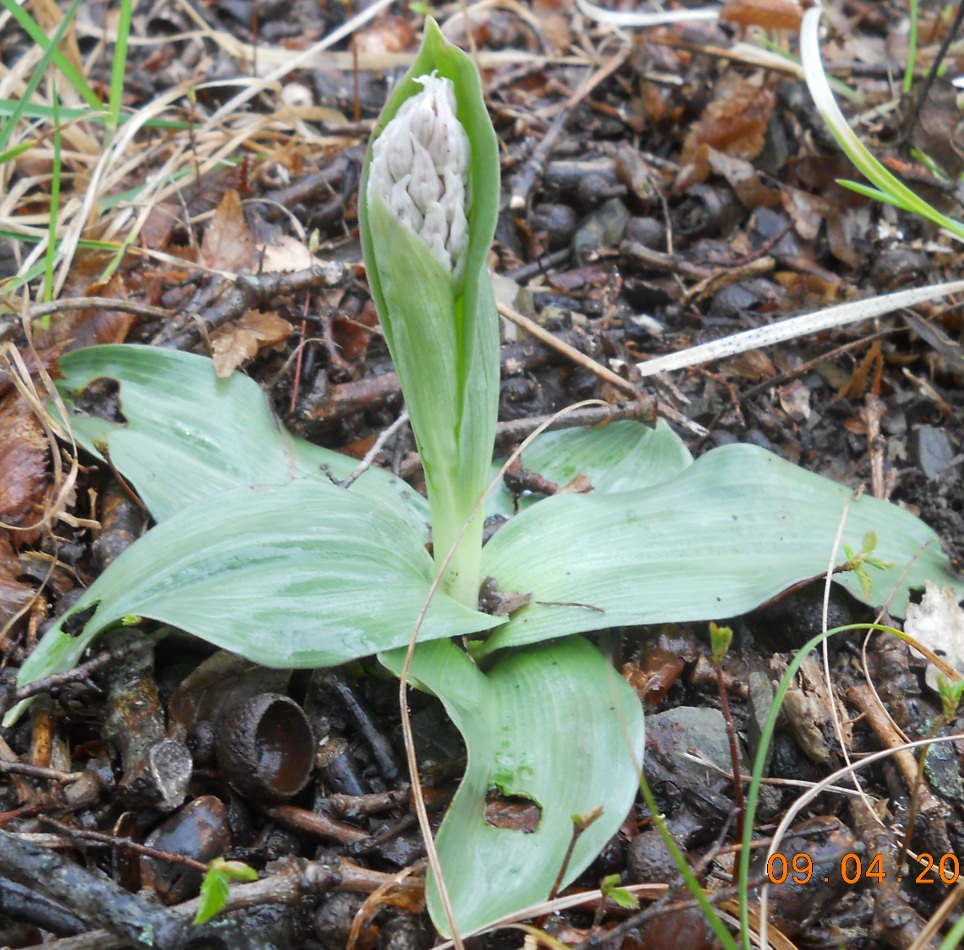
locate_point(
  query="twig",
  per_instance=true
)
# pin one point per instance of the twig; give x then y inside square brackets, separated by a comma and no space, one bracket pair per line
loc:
[935,66]
[734,751]
[372,453]
[98,900]
[298,880]
[84,670]
[514,430]
[533,329]
[104,303]
[524,180]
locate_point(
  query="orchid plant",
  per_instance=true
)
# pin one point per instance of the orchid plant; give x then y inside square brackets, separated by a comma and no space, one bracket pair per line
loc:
[259,549]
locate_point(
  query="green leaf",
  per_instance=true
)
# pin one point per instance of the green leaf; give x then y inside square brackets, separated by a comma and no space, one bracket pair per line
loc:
[620,896]
[556,725]
[621,456]
[183,434]
[732,531]
[214,887]
[297,575]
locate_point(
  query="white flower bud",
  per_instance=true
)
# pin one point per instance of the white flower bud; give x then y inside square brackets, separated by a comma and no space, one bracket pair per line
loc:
[419,168]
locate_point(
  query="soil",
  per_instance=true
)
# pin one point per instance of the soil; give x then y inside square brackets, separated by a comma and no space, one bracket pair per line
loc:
[659,190]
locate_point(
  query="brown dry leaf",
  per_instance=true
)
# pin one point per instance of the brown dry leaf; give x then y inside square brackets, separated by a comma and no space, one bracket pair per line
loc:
[227,243]
[555,19]
[795,400]
[351,335]
[744,179]
[73,329]
[388,34]
[246,338]
[285,253]
[807,706]
[24,479]
[14,594]
[159,227]
[734,122]
[807,211]
[754,365]
[767,14]
[866,377]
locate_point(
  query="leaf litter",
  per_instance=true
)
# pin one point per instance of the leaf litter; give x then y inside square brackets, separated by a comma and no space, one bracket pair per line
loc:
[194,192]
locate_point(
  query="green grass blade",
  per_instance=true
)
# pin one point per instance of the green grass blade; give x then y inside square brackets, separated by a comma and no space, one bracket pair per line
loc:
[119,66]
[51,52]
[51,255]
[898,193]
[11,153]
[911,49]
[51,47]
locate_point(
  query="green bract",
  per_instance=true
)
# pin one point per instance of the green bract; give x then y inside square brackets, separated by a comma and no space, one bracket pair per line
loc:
[442,328]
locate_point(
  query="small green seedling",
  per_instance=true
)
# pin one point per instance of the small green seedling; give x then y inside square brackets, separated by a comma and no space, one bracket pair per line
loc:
[950,692]
[214,887]
[720,640]
[620,896]
[859,562]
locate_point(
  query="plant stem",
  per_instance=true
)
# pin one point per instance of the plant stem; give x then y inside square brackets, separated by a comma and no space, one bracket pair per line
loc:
[734,752]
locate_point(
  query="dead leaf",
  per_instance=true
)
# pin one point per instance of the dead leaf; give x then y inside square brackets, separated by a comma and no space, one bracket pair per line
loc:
[754,365]
[246,338]
[766,14]
[744,179]
[352,334]
[866,377]
[555,19]
[14,594]
[807,706]
[285,253]
[24,479]
[388,34]
[227,243]
[807,211]
[795,400]
[938,623]
[73,329]
[734,122]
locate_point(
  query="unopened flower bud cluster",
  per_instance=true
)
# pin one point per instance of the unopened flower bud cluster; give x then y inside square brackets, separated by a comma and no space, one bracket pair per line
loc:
[419,168]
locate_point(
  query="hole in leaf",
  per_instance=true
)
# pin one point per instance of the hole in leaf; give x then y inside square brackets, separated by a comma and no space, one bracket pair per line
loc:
[74,625]
[513,812]
[101,398]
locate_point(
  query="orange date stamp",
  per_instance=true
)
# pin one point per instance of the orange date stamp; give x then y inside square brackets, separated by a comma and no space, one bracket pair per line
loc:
[944,869]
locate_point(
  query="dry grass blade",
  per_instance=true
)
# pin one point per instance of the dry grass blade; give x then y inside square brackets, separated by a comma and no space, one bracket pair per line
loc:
[627,18]
[818,789]
[579,358]
[794,327]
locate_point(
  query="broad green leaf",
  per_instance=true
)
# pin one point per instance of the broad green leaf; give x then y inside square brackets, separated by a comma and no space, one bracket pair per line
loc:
[621,456]
[297,575]
[182,434]
[736,528]
[554,724]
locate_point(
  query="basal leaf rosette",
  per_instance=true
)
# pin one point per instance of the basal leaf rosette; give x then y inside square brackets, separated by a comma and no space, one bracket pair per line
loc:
[427,210]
